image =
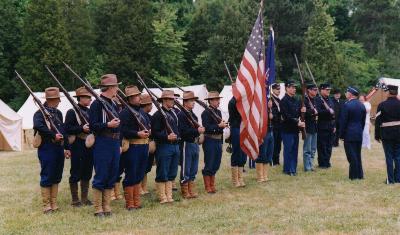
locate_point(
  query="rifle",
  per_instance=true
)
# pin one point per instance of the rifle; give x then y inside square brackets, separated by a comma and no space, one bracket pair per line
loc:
[301,77]
[88,87]
[134,113]
[227,70]
[70,99]
[43,109]
[157,104]
[215,116]
[193,122]
[303,91]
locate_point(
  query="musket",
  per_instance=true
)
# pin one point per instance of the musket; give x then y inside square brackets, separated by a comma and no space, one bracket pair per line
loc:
[156,103]
[47,115]
[237,70]
[89,88]
[229,73]
[301,77]
[134,113]
[75,106]
[303,91]
[192,121]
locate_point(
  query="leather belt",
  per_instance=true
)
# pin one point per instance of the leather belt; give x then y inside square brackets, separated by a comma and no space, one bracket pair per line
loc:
[214,136]
[139,141]
[111,135]
[82,136]
[388,124]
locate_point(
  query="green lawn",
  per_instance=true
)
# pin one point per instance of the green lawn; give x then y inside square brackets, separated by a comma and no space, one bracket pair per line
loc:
[323,202]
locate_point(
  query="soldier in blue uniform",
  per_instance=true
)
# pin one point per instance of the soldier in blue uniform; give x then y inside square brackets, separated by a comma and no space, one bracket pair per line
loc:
[51,151]
[311,117]
[167,152]
[276,122]
[337,104]
[387,130]
[81,156]
[326,126]
[189,146]
[146,106]
[238,158]
[212,146]
[291,110]
[352,121]
[106,149]
[136,155]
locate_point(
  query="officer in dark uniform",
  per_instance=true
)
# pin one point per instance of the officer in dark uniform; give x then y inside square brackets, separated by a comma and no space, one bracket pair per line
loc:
[212,146]
[167,152]
[136,155]
[326,126]
[352,121]
[291,110]
[81,156]
[238,158]
[387,130]
[338,103]
[107,147]
[311,117]
[276,122]
[51,151]
[189,146]
[146,106]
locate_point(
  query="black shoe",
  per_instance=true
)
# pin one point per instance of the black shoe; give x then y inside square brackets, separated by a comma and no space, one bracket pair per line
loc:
[107,214]
[100,214]
[76,204]
[87,203]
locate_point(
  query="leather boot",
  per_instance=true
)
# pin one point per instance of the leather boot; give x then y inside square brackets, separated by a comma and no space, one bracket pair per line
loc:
[207,186]
[136,196]
[85,192]
[97,199]
[259,171]
[128,194]
[161,192]
[106,201]
[53,198]
[185,190]
[265,172]
[192,189]
[235,176]
[143,187]
[212,184]
[116,193]
[46,194]
[168,191]
[174,187]
[240,177]
[74,195]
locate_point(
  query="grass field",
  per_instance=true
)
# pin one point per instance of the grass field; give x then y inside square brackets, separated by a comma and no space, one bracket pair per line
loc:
[323,202]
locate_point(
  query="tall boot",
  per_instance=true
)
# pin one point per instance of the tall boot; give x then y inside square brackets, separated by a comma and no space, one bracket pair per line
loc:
[144,186]
[240,177]
[46,194]
[97,199]
[116,192]
[53,198]
[136,196]
[128,193]
[207,180]
[192,189]
[161,192]
[174,187]
[74,195]
[85,192]
[168,191]
[265,172]
[185,190]
[106,201]
[235,176]
[212,184]
[259,171]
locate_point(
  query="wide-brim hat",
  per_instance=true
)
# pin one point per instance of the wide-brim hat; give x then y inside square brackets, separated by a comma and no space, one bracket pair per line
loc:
[213,95]
[189,95]
[131,91]
[145,99]
[109,80]
[167,94]
[82,91]
[52,93]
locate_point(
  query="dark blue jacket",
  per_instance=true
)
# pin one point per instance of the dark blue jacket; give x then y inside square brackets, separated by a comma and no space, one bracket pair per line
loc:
[188,132]
[276,111]
[311,118]
[71,122]
[326,120]
[209,123]
[388,111]
[98,119]
[158,128]
[290,109]
[129,125]
[352,121]
[234,116]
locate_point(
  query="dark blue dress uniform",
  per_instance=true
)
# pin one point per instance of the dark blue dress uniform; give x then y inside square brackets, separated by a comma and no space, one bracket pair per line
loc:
[290,109]
[81,156]
[276,128]
[387,130]
[106,149]
[50,153]
[352,121]
[310,143]
[267,147]
[238,158]
[326,125]
[337,107]
[150,159]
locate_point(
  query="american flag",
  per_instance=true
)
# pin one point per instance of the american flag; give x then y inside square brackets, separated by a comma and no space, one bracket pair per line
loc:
[250,93]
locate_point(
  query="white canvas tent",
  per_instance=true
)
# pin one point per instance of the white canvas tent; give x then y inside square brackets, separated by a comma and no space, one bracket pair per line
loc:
[199,91]
[10,129]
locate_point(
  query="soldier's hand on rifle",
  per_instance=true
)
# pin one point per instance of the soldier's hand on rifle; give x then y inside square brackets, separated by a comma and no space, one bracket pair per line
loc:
[201,130]
[334,130]
[86,128]
[143,134]
[270,115]
[315,112]
[113,123]
[67,154]
[331,111]
[270,104]
[223,124]
[303,109]
[172,137]
[301,124]
[59,137]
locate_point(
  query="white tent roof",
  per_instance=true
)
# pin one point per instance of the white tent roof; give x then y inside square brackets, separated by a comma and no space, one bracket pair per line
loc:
[10,128]
[29,108]
[199,91]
